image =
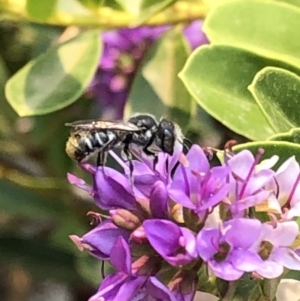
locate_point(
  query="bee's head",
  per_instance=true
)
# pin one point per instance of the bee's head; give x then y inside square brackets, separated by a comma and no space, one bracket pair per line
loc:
[144,121]
[73,150]
[167,135]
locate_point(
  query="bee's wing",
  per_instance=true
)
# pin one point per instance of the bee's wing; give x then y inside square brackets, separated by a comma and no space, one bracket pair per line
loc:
[119,125]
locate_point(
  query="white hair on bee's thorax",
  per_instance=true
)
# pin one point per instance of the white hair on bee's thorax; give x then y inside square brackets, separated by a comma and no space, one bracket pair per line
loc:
[179,142]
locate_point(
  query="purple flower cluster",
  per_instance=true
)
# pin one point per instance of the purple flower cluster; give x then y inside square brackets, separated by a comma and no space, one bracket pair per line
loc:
[184,216]
[123,52]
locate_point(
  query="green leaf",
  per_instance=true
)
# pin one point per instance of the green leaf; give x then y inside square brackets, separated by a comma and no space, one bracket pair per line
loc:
[137,101]
[41,258]
[212,3]
[282,149]
[248,289]
[73,7]
[292,136]
[292,274]
[292,2]
[150,8]
[169,56]
[277,92]
[94,4]
[55,79]
[7,116]
[16,200]
[265,27]
[41,10]
[218,77]
[132,6]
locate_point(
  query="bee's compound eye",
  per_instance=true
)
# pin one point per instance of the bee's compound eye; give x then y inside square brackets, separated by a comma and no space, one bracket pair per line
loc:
[168,141]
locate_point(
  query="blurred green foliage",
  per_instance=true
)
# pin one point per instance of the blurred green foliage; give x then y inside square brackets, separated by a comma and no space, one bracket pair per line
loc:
[247,79]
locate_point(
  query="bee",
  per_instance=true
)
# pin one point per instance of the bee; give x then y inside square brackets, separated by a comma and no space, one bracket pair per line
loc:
[163,136]
[140,132]
[90,136]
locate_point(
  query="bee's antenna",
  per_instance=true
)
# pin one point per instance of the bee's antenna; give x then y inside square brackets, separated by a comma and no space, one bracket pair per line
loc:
[186,146]
[187,143]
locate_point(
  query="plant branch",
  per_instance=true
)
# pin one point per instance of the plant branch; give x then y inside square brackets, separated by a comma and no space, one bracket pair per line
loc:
[106,17]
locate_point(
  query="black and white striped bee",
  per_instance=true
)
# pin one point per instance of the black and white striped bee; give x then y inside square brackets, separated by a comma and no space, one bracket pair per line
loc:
[139,132]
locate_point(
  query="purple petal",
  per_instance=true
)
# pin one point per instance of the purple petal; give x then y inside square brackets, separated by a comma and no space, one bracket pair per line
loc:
[190,242]
[169,244]
[120,256]
[225,270]
[216,189]
[294,211]
[207,243]
[144,183]
[241,163]
[109,287]
[159,200]
[242,232]
[216,198]
[250,201]
[159,291]
[258,181]
[286,257]
[103,237]
[286,176]
[198,162]
[79,183]
[284,234]
[195,35]
[245,260]
[113,190]
[270,269]
[178,196]
[165,244]
[173,160]
[130,289]
[160,167]
[141,168]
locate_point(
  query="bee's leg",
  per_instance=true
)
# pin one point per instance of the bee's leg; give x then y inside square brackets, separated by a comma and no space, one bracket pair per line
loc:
[167,165]
[101,159]
[128,155]
[102,154]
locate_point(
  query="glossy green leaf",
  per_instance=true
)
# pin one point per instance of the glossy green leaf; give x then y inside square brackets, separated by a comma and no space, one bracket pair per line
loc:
[282,149]
[248,289]
[218,77]
[212,3]
[7,115]
[41,10]
[16,200]
[292,136]
[55,79]
[39,257]
[150,8]
[143,98]
[169,56]
[292,2]
[92,4]
[277,92]
[73,7]
[132,6]
[292,274]
[268,28]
